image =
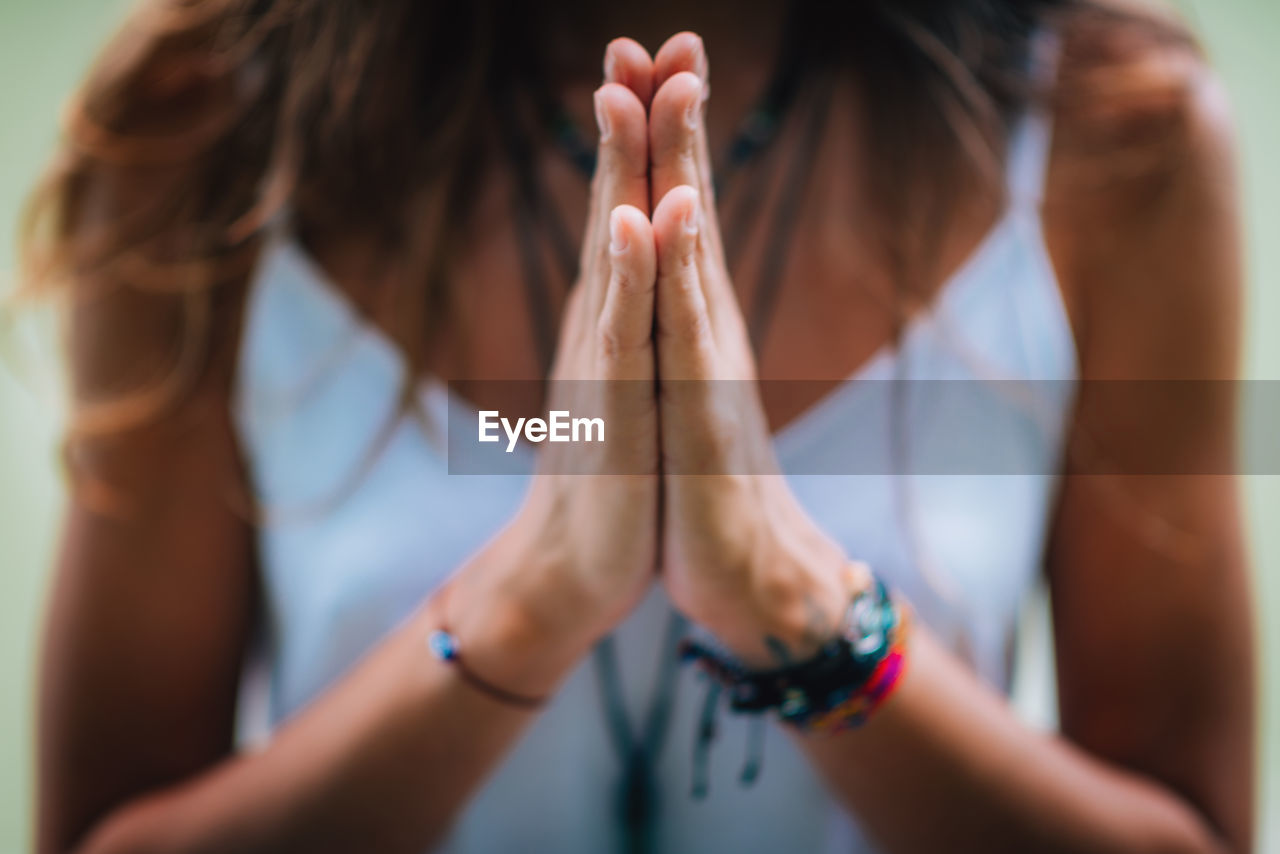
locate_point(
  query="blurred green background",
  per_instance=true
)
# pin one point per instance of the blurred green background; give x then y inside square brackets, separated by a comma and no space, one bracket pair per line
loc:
[45,47]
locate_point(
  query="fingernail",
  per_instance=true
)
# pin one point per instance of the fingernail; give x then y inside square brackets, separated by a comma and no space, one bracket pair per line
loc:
[601,118]
[693,114]
[691,219]
[610,64]
[617,237]
[700,64]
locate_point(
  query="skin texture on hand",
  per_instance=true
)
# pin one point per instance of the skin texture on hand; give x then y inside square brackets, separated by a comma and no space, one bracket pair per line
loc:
[584,548]
[654,325]
[737,553]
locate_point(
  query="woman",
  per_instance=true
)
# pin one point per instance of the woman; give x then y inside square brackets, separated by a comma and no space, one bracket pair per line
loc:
[287,222]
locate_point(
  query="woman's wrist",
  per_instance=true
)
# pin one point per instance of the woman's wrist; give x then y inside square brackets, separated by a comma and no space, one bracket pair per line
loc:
[799,585]
[518,624]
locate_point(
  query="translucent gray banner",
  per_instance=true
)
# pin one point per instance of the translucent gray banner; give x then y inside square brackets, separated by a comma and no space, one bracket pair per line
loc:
[865,427]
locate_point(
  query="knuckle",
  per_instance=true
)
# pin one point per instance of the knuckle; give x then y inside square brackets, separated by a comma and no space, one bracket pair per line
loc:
[627,282]
[607,344]
[611,347]
[691,326]
[678,271]
[676,152]
[771,587]
[623,280]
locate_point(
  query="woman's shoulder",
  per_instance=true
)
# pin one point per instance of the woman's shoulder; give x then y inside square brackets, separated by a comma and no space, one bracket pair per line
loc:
[1142,169]
[151,338]
[1136,97]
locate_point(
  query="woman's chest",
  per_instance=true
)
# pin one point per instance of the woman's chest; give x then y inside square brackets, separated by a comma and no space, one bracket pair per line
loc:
[364,521]
[818,304]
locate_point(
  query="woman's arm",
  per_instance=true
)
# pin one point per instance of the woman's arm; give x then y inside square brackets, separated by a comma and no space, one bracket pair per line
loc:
[1154,641]
[142,657]
[151,610]
[154,601]
[1152,615]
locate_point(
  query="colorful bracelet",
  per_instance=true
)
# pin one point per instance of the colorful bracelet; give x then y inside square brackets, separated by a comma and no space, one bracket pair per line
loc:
[854,710]
[444,646]
[840,687]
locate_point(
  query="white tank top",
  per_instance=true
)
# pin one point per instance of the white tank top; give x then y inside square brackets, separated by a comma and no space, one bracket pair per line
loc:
[316,385]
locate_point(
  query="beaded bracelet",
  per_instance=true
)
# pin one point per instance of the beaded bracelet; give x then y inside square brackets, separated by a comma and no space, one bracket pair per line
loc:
[444,646]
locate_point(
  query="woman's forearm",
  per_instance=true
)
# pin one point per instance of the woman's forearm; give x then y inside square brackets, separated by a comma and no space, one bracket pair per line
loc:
[946,766]
[385,759]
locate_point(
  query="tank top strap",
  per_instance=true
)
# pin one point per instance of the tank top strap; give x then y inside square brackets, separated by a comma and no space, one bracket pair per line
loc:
[1032,136]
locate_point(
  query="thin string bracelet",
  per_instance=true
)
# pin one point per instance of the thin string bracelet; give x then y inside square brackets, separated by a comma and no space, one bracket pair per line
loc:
[444,646]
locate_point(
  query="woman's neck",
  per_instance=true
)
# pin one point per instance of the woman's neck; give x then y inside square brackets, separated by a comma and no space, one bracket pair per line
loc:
[732,33]
[742,48]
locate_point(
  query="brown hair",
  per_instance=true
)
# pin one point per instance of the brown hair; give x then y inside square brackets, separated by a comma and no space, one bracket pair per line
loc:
[204,118]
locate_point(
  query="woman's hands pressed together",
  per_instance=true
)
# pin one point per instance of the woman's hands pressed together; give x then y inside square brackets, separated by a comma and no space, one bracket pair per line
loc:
[654,329]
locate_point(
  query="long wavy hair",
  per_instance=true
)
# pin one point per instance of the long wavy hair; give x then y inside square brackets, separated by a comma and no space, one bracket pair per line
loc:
[205,118]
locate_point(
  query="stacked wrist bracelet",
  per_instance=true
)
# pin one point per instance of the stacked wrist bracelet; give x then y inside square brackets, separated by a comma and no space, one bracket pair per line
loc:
[838,688]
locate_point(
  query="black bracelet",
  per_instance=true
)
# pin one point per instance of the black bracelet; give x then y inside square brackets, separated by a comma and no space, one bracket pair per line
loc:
[804,691]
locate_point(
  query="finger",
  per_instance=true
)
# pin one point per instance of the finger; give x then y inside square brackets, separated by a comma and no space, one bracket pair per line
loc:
[686,344]
[679,152]
[674,119]
[685,53]
[621,179]
[682,52]
[627,63]
[626,320]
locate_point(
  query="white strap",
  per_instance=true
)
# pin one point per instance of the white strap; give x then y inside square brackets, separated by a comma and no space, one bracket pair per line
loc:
[1032,137]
